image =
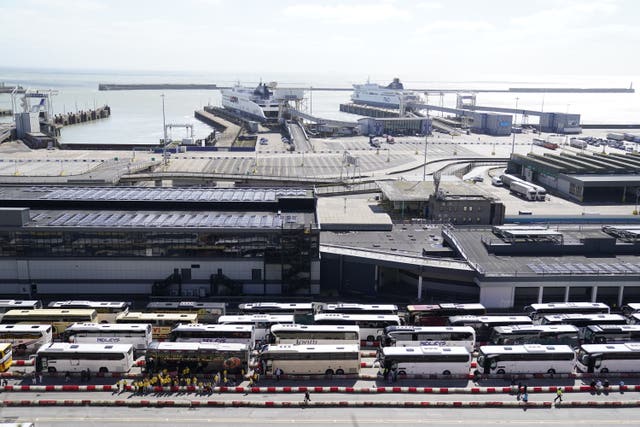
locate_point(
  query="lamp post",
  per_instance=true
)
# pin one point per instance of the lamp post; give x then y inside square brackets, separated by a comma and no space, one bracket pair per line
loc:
[426,141]
[164,128]
[515,121]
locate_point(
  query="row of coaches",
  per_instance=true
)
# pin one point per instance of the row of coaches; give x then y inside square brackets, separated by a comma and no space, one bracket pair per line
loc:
[331,325]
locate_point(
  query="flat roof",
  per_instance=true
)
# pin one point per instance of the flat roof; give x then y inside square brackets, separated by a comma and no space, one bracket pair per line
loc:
[420,191]
[412,240]
[469,242]
[592,180]
[346,214]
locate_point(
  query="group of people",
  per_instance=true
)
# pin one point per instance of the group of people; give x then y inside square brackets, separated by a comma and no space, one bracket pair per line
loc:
[183,378]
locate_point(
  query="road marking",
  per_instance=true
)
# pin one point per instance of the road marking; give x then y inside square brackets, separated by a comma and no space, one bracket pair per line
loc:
[350,421]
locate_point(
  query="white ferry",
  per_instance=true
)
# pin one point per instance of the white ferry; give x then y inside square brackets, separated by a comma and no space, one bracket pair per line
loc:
[260,103]
[389,96]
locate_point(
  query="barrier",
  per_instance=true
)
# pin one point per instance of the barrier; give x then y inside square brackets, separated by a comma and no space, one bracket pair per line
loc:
[315,404]
[23,362]
[316,389]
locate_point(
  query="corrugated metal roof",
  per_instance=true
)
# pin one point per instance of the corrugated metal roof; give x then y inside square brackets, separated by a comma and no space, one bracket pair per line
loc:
[191,194]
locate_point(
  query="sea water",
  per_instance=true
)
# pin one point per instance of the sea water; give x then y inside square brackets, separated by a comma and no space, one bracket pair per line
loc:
[137,115]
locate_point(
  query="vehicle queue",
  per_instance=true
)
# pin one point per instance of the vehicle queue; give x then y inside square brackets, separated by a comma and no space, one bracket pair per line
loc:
[322,339]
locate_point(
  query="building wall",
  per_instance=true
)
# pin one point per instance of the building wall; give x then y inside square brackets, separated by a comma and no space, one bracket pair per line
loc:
[460,211]
[129,276]
[612,290]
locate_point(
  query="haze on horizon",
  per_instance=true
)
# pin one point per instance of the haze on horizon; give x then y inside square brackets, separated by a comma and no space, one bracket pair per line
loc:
[432,38]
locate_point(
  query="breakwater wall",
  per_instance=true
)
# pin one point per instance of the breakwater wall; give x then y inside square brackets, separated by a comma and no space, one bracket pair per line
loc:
[162,86]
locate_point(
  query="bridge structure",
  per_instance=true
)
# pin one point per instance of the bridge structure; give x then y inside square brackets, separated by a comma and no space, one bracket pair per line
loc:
[320,120]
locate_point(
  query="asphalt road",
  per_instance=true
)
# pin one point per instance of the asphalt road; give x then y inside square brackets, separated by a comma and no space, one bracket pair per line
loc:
[310,417]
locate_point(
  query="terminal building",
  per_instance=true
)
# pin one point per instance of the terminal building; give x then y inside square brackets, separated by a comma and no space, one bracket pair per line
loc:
[452,201]
[598,177]
[158,241]
[209,243]
[519,265]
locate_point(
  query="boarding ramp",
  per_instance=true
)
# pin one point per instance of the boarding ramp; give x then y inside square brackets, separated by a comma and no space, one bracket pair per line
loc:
[293,113]
[299,137]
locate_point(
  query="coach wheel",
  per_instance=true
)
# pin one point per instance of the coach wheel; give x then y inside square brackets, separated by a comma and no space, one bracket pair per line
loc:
[103,370]
[604,371]
[51,370]
[446,372]
[551,371]
[340,372]
[500,372]
[329,372]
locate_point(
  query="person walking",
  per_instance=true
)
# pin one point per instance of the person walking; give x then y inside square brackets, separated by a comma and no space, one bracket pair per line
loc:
[307,397]
[558,395]
[519,393]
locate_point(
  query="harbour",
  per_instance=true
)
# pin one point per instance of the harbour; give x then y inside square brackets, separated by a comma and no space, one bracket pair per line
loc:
[205,86]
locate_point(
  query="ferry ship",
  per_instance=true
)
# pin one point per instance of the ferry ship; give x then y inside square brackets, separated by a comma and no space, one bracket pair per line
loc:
[389,96]
[260,103]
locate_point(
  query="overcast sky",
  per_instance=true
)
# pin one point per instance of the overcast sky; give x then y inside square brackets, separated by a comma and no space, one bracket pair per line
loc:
[436,39]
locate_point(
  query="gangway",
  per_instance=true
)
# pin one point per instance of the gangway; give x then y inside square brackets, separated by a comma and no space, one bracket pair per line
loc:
[319,120]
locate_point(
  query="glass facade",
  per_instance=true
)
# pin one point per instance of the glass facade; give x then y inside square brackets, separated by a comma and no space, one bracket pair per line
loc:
[286,244]
[292,249]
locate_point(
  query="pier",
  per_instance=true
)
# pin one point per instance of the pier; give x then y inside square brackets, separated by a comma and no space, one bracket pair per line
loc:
[82,116]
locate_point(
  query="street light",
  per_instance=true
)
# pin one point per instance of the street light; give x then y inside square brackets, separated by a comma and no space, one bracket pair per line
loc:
[426,141]
[513,134]
[164,127]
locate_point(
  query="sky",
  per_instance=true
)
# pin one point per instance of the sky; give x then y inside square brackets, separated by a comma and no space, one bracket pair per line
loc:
[436,39]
